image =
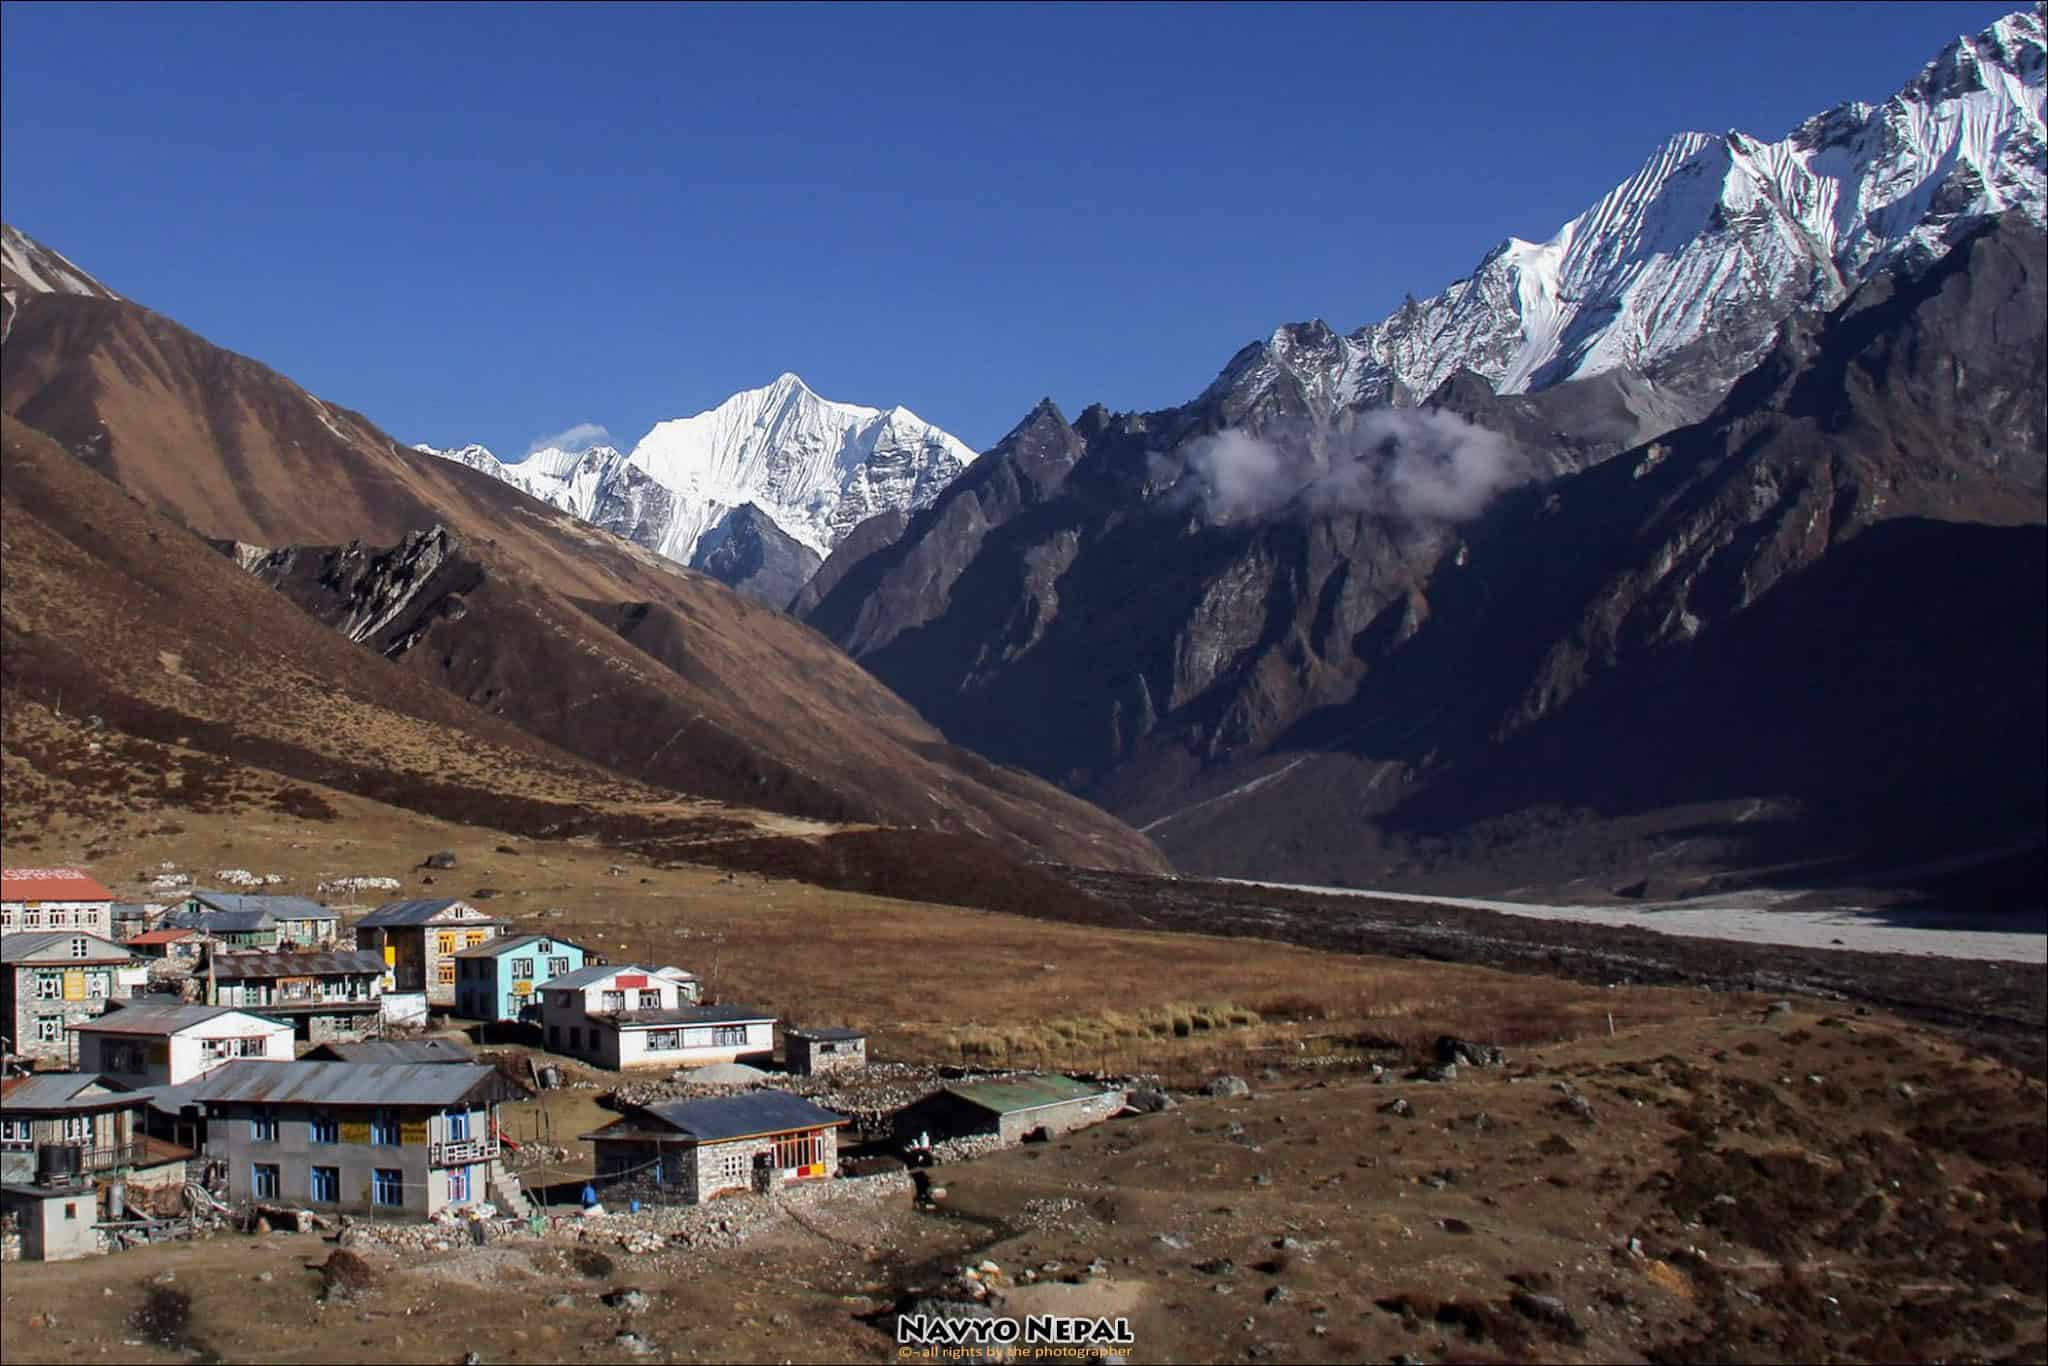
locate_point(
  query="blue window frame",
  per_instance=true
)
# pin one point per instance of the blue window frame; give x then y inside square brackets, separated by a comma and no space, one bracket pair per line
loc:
[263,1180]
[384,1129]
[387,1186]
[458,1125]
[324,1185]
[324,1128]
[263,1124]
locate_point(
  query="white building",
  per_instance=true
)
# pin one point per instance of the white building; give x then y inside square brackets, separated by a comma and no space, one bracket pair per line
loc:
[626,1016]
[54,899]
[152,1045]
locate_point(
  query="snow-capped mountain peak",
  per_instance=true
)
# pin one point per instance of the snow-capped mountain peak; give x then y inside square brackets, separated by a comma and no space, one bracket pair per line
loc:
[1684,270]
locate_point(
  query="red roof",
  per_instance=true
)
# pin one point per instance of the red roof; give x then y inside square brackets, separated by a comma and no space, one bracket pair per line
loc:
[50,884]
[161,937]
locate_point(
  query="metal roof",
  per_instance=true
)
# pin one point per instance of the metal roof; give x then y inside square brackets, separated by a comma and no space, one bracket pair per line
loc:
[18,948]
[221,922]
[55,1091]
[50,884]
[283,907]
[153,1019]
[392,1050]
[756,1112]
[831,1034]
[162,936]
[238,967]
[505,943]
[1012,1094]
[421,913]
[344,1084]
[691,1015]
[595,972]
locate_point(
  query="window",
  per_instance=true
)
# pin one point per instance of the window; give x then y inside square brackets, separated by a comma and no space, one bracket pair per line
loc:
[49,1029]
[650,1000]
[458,1125]
[211,1050]
[98,985]
[14,1133]
[60,918]
[384,1128]
[445,973]
[557,966]
[554,1038]
[263,1124]
[387,1186]
[458,1185]
[444,943]
[522,969]
[614,1000]
[32,919]
[475,937]
[325,1185]
[81,947]
[721,1169]
[49,986]
[729,1035]
[323,1127]
[263,1183]
[576,1038]
[799,1150]
[70,1209]
[664,1040]
[545,946]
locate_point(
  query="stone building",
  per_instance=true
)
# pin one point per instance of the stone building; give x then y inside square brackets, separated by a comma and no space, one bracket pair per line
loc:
[697,1149]
[54,899]
[51,982]
[1008,1108]
[807,1052]
[419,941]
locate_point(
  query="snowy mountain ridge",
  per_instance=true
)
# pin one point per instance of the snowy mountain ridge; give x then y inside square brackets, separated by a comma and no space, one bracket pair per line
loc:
[816,467]
[1690,263]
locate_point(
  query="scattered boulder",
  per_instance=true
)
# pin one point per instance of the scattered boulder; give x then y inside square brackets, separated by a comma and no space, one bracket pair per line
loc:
[1227,1088]
[633,1344]
[1435,1072]
[632,1301]
[1452,1051]
[1397,1107]
[442,859]
[345,1275]
[1150,1100]
[1547,1310]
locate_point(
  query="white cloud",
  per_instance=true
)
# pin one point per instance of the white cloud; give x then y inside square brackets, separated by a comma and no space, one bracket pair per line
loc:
[580,437]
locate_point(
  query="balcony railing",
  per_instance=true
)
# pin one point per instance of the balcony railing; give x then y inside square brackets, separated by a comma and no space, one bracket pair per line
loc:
[103,1159]
[460,1152]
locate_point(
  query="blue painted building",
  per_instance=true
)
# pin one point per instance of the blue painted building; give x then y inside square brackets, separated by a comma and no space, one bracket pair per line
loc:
[500,979]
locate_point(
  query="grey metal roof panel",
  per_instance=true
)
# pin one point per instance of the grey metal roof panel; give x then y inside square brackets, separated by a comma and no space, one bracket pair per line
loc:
[347,1084]
[832,1034]
[755,1112]
[18,947]
[1009,1095]
[282,907]
[691,1015]
[156,1019]
[239,967]
[222,922]
[506,943]
[584,976]
[418,913]
[51,1091]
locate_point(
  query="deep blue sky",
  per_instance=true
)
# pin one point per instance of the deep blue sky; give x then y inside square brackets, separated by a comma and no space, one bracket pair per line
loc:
[484,223]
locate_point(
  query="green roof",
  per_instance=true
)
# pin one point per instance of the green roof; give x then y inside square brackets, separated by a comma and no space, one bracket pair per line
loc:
[1012,1094]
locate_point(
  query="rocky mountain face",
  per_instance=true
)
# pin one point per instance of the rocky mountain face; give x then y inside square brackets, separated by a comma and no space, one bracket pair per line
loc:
[524,615]
[1466,642]
[1681,274]
[812,467]
[751,554]
[28,267]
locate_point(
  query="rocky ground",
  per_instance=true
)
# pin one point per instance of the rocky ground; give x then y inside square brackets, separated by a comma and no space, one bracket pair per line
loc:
[1797,1184]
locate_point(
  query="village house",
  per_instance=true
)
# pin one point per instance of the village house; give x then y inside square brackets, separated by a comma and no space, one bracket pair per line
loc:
[58,1128]
[54,899]
[418,941]
[166,1045]
[51,981]
[1008,1108]
[495,980]
[130,918]
[247,929]
[180,947]
[699,1149]
[625,1016]
[377,1138]
[299,923]
[325,996]
[808,1052]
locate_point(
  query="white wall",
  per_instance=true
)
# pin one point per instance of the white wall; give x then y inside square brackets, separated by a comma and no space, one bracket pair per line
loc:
[174,1061]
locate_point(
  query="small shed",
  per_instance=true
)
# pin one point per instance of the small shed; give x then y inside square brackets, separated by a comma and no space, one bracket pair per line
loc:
[1009,1108]
[807,1052]
[56,1222]
[704,1148]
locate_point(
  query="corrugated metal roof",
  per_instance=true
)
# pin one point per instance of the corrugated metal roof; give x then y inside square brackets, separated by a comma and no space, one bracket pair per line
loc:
[505,943]
[162,936]
[348,1084]
[691,1015]
[1011,1094]
[283,907]
[222,922]
[19,947]
[392,1050]
[420,913]
[151,1019]
[240,967]
[585,976]
[756,1112]
[828,1034]
[50,884]
[48,1091]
